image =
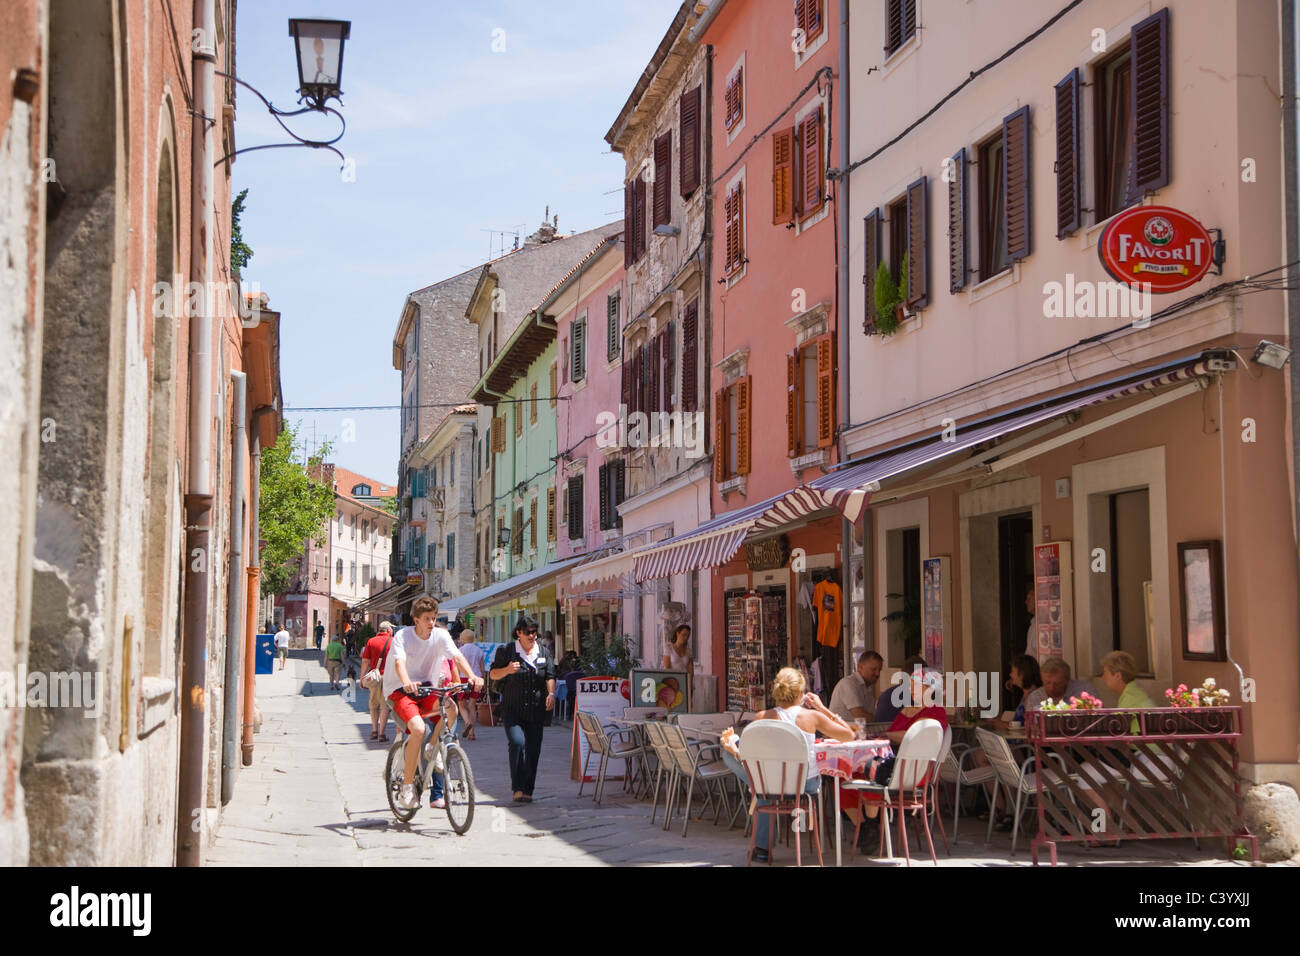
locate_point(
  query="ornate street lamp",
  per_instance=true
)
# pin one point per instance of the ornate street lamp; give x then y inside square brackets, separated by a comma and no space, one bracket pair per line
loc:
[318,45]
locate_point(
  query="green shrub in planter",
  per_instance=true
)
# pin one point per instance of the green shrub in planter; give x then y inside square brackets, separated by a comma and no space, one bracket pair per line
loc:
[889,296]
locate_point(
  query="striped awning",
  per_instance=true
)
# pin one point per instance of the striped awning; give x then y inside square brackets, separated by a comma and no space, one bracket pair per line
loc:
[849,490]
[604,565]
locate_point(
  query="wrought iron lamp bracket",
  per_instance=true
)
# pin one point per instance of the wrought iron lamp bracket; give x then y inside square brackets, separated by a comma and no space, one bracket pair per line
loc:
[279,116]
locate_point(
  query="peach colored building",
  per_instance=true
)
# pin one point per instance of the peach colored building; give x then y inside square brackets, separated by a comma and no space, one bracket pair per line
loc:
[1019,401]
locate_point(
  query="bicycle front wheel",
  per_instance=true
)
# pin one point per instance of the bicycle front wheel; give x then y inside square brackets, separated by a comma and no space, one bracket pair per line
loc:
[394,773]
[458,791]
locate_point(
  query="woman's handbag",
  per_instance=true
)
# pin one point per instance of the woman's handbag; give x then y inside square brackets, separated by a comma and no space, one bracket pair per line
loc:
[375,676]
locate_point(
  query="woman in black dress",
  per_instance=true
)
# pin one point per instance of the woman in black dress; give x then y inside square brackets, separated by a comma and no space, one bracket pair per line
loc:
[525,676]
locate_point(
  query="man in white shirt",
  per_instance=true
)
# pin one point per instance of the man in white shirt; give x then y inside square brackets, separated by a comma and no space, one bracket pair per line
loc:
[416,655]
[1057,684]
[282,645]
[854,696]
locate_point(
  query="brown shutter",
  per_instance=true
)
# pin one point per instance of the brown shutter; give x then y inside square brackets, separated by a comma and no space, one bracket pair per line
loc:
[893,25]
[783,175]
[498,434]
[739,96]
[550,513]
[742,425]
[690,356]
[532,404]
[1149,43]
[519,420]
[605,496]
[670,366]
[917,244]
[1015,174]
[729,220]
[870,264]
[689,151]
[1069,213]
[629,224]
[825,391]
[629,362]
[958,259]
[730,99]
[619,471]
[720,435]
[639,213]
[808,17]
[738,225]
[532,522]
[645,376]
[663,187]
[793,404]
[813,172]
[656,350]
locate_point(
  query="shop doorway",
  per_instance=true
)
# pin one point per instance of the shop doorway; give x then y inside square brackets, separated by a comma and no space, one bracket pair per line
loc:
[1015,579]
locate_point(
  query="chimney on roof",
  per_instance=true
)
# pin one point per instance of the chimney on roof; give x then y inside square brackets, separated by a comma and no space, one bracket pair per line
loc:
[546,232]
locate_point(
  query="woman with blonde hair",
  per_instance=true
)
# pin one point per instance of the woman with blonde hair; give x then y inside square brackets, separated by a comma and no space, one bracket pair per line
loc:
[796,706]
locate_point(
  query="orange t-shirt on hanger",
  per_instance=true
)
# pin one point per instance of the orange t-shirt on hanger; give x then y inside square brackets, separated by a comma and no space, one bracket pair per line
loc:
[826,599]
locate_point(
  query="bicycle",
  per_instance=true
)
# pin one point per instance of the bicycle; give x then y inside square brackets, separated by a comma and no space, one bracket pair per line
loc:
[458,788]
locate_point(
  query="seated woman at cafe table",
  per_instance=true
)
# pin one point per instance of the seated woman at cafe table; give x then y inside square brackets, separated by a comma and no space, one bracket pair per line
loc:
[926,688]
[1119,673]
[899,695]
[1025,675]
[794,705]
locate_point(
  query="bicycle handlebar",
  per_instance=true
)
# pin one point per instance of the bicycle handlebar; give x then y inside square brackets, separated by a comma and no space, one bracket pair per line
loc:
[425,689]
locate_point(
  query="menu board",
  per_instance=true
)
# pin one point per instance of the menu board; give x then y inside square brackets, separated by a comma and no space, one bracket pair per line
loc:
[1052,616]
[604,697]
[737,684]
[936,609]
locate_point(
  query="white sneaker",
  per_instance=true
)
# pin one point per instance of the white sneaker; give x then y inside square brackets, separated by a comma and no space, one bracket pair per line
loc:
[406,798]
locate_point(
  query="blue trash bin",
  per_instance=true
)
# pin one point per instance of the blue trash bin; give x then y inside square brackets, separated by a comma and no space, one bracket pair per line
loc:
[264,663]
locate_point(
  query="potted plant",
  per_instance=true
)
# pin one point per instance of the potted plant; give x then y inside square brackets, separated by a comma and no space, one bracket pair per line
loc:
[908,618]
[890,298]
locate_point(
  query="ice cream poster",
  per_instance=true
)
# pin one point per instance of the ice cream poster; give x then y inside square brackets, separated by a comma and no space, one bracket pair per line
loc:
[667,689]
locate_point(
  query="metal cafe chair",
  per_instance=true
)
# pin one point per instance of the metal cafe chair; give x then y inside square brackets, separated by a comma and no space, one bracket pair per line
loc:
[910,785]
[693,766]
[775,757]
[607,741]
[664,766]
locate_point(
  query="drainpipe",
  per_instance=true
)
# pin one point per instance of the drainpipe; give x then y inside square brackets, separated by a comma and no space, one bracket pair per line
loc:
[234,592]
[198,500]
[841,320]
[254,572]
[1291,211]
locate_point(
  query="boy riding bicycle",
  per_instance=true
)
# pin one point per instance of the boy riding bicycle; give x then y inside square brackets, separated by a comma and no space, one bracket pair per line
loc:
[416,655]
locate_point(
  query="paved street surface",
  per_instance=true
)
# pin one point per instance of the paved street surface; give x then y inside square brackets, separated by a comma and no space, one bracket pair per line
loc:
[315,796]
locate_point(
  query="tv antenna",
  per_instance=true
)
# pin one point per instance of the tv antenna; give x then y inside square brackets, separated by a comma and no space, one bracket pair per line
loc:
[497,247]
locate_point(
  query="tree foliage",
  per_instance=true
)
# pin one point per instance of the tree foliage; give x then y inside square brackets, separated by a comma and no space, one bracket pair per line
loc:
[294,507]
[240,251]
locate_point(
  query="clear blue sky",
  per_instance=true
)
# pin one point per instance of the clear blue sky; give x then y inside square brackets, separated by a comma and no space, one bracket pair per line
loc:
[449,138]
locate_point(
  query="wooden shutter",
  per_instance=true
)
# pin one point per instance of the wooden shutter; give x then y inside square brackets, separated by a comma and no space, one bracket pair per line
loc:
[958,259]
[519,419]
[690,356]
[619,472]
[1149,43]
[604,496]
[578,364]
[628,367]
[1069,211]
[728,218]
[893,25]
[728,101]
[825,390]
[638,217]
[532,523]
[783,175]
[1015,176]
[629,224]
[688,111]
[555,374]
[550,513]
[720,435]
[793,404]
[645,380]
[669,366]
[917,244]
[870,264]
[517,537]
[532,404]
[652,375]
[813,173]
[662,205]
[743,391]
[575,507]
[498,434]
[735,97]
[808,18]
[612,330]
[735,227]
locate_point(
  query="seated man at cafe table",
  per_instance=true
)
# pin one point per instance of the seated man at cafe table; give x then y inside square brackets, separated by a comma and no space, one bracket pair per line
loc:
[899,694]
[1057,685]
[854,697]
[794,705]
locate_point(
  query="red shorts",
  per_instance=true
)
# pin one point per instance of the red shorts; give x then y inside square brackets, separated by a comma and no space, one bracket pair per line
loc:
[406,707]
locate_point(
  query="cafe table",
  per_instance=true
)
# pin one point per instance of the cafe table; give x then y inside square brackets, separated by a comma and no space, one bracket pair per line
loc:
[841,760]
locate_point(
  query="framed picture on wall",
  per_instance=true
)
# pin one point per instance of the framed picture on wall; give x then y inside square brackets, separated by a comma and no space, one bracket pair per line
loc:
[1200,583]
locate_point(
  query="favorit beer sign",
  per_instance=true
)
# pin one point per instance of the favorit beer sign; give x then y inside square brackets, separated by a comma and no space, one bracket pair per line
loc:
[1156,246]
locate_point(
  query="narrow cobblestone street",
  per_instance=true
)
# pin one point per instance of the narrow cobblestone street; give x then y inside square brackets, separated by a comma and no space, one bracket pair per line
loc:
[314,797]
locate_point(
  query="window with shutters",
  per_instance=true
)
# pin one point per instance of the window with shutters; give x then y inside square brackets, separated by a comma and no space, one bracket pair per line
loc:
[615,334]
[900,24]
[810,22]
[691,356]
[689,119]
[732,438]
[908,238]
[575,507]
[734,229]
[634,224]
[662,205]
[734,100]
[810,397]
[532,404]
[550,514]
[578,343]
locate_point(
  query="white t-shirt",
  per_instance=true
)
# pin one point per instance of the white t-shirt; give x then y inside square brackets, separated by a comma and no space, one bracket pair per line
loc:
[282,638]
[423,657]
[474,654]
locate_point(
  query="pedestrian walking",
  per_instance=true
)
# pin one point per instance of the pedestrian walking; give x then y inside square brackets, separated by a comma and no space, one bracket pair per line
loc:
[526,675]
[469,704]
[372,656]
[320,634]
[334,661]
[282,645]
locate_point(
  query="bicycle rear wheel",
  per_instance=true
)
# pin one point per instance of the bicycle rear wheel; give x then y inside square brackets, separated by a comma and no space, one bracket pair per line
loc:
[458,790]
[394,774]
